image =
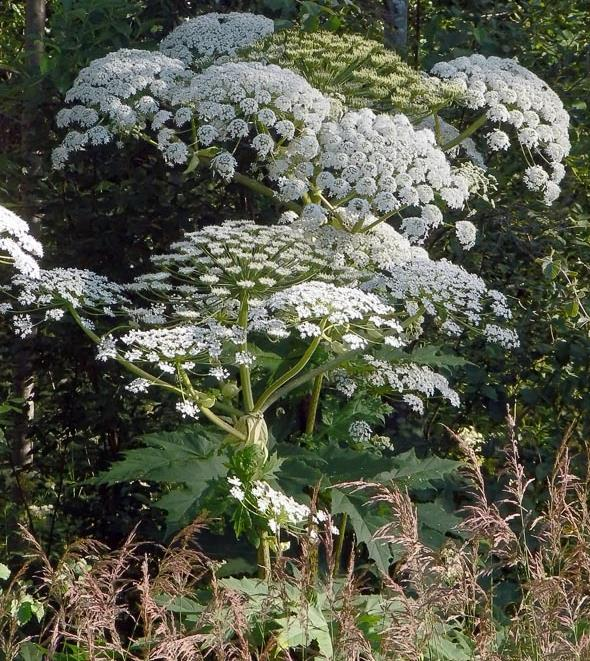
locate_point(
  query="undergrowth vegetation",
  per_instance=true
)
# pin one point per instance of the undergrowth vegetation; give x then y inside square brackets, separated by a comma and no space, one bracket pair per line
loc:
[148,601]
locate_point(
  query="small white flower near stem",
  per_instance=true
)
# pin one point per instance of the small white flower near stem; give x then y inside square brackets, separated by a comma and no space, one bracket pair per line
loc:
[280,511]
[360,431]
[188,409]
[245,359]
[466,234]
[236,489]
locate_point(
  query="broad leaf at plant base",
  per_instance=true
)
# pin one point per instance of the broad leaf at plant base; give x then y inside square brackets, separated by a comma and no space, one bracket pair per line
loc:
[187,455]
[300,629]
[332,464]
[188,458]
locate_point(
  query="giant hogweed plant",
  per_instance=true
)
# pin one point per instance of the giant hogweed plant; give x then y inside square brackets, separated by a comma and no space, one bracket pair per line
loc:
[336,300]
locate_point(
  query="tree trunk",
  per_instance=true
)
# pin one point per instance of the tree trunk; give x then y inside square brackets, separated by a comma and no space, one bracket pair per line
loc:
[24,384]
[34,35]
[396,25]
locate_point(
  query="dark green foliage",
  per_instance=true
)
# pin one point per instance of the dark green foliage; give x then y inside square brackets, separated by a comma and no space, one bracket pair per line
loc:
[190,465]
[186,458]
[184,455]
[83,30]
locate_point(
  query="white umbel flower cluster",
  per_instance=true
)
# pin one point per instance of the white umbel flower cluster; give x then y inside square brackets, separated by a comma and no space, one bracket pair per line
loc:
[366,251]
[261,94]
[337,305]
[518,100]
[188,409]
[79,288]
[371,166]
[213,267]
[51,291]
[114,95]
[466,233]
[360,431]
[184,344]
[17,246]
[202,40]
[322,309]
[262,106]
[409,379]
[441,289]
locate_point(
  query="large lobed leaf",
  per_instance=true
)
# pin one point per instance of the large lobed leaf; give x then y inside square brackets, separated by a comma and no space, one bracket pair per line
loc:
[188,458]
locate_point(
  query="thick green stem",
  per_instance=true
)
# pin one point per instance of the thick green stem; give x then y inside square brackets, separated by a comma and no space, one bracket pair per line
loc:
[437,132]
[304,378]
[288,375]
[228,408]
[222,424]
[245,380]
[470,130]
[186,382]
[340,543]
[195,396]
[313,404]
[137,371]
[264,568]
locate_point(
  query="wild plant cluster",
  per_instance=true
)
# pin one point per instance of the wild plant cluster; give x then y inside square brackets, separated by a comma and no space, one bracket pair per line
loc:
[335,305]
